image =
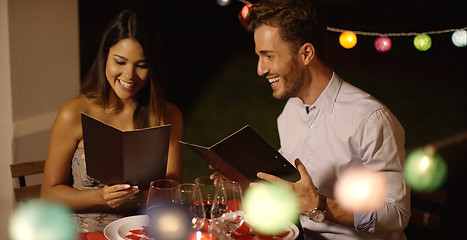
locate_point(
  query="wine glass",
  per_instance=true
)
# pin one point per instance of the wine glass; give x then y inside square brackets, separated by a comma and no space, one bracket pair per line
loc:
[162,192]
[226,207]
[191,200]
[207,188]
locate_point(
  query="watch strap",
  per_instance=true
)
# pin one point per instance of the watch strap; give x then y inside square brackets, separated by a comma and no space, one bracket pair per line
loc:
[321,202]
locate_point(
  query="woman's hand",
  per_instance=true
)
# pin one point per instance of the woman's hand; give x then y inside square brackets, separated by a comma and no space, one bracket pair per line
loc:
[116,195]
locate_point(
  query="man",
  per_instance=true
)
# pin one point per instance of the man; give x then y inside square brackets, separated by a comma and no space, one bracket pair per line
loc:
[328,125]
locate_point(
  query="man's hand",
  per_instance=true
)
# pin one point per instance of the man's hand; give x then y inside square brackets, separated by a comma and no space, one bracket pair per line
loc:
[217,175]
[303,188]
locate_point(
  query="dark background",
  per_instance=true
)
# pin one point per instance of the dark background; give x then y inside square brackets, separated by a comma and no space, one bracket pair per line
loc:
[212,74]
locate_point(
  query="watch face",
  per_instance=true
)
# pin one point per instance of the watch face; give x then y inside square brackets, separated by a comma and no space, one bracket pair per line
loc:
[316,215]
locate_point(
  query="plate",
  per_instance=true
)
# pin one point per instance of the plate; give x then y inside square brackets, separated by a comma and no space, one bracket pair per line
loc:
[117,229]
[292,229]
[293,234]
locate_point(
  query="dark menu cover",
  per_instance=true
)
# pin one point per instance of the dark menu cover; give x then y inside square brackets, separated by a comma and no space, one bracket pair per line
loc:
[135,157]
[243,154]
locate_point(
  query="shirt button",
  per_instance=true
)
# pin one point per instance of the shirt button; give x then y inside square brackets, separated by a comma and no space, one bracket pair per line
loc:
[312,126]
[310,157]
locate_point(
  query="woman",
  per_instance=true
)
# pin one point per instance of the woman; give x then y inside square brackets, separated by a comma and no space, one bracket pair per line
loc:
[124,88]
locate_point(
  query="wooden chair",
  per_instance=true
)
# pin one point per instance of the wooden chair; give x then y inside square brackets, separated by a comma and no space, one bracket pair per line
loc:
[20,171]
[427,213]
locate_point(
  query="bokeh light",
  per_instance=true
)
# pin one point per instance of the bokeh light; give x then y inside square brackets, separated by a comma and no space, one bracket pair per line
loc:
[169,222]
[223,2]
[383,44]
[424,170]
[361,190]
[37,220]
[422,42]
[459,38]
[270,208]
[348,39]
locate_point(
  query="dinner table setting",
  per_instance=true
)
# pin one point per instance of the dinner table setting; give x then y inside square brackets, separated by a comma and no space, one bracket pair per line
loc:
[207,209]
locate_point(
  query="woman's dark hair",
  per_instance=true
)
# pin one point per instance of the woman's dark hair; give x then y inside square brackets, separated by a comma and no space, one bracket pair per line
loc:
[300,22]
[136,25]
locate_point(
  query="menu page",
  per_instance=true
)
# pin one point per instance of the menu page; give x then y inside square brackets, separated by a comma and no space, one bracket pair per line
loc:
[243,154]
[135,157]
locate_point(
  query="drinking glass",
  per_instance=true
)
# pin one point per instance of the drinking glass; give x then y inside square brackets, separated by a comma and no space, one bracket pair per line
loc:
[207,188]
[191,201]
[226,207]
[162,192]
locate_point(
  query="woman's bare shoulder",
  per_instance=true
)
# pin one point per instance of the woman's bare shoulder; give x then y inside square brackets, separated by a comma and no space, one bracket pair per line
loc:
[173,113]
[72,109]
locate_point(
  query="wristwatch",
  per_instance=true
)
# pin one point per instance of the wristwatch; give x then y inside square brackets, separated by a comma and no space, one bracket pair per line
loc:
[317,214]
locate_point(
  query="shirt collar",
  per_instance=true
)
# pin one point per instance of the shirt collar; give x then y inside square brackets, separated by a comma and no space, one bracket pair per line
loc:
[328,97]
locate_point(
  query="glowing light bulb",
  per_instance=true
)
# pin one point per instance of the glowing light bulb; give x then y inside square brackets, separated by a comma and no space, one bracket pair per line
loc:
[424,164]
[348,39]
[245,11]
[459,38]
[360,190]
[424,170]
[383,44]
[223,2]
[270,208]
[422,42]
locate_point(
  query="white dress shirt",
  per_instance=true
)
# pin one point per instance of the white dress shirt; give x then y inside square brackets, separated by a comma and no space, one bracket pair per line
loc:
[347,127]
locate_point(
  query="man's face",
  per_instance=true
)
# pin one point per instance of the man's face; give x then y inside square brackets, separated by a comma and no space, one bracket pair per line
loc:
[277,63]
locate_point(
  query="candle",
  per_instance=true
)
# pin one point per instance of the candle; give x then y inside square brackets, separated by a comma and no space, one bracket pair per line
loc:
[202,236]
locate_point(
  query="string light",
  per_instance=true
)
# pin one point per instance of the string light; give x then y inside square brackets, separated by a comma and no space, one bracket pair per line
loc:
[348,39]
[426,171]
[41,220]
[459,36]
[383,44]
[223,2]
[245,11]
[259,201]
[360,189]
[422,42]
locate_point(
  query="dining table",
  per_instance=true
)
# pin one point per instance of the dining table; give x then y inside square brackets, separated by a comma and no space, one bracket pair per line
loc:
[92,236]
[242,233]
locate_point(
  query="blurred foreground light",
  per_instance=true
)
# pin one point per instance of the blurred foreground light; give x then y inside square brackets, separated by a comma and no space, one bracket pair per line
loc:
[169,223]
[459,38]
[348,39]
[223,2]
[270,208]
[361,190]
[424,170]
[37,220]
[422,42]
[383,44]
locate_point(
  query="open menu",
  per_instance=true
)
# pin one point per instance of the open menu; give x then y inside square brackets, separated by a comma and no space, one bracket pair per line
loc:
[243,154]
[136,157]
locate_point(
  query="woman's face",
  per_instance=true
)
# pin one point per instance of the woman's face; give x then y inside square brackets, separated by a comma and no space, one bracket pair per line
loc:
[126,69]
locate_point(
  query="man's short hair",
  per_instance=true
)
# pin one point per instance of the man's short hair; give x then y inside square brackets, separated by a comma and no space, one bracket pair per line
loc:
[300,22]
